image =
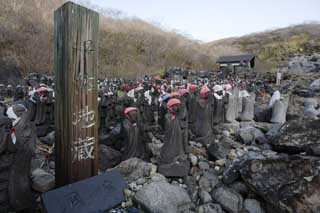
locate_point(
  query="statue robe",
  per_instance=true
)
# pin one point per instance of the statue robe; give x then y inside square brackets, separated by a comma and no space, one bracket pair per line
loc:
[183,119]
[172,149]
[192,112]
[21,196]
[133,143]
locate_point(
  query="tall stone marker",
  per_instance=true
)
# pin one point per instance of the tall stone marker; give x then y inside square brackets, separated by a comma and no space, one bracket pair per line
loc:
[76,105]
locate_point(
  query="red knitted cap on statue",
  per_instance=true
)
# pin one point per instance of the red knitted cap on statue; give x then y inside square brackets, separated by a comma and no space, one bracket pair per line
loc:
[193,87]
[129,109]
[42,89]
[174,94]
[183,91]
[173,102]
[204,90]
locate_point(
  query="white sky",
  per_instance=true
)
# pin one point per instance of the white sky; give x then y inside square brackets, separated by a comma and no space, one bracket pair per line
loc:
[209,20]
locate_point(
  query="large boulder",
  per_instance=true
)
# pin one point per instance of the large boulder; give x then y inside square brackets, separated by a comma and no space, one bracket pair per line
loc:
[162,197]
[298,136]
[135,168]
[108,157]
[287,183]
[230,200]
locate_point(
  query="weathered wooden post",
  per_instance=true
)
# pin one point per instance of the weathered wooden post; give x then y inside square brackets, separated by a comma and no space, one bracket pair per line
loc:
[76,106]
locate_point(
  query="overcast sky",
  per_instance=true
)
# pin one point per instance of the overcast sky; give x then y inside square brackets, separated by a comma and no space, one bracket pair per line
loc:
[209,20]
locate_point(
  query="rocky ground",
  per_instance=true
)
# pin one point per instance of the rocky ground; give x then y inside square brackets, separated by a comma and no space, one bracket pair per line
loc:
[251,167]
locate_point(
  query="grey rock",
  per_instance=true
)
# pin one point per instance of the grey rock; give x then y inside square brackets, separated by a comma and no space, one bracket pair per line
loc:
[205,197]
[315,85]
[208,181]
[204,166]
[288,183]
[230,200]
[250,134]
[42,181]
[253,206]
[162,197]
[192,187]
[175,169]
[220,150]
[240,187]
[298,136]
[134,168]
[108,157]
[210,208]
[273,132]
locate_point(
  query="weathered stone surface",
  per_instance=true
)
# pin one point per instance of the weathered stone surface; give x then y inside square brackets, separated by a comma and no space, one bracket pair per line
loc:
[273,132]
[299,136]
[220,150]
[108,157]
[42,181]
[175,169]
[95,194]
[288,183]
[253,206]
[240,187]
[315,85]
[210,208]
[162,197]
[232,128]
[279,111]
[310,111]
[134,168]
[205,197]
[230,200]
[262,113]
[192,187]
[249,134]
[208,181]
[247,113]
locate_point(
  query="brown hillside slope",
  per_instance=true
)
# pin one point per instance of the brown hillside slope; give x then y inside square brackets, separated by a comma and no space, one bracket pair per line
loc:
[273,47]
[128,46]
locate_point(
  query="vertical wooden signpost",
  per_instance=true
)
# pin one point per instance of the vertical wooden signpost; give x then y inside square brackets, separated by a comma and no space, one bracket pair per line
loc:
[76,106]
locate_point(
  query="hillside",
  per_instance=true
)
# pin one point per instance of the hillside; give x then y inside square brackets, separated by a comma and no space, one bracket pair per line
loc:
[275,47]
[128,46]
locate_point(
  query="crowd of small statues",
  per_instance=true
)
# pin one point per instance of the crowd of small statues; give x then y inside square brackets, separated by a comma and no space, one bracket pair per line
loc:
[131,114]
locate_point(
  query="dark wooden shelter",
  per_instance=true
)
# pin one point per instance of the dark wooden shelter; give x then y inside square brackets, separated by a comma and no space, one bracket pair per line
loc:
[245,61]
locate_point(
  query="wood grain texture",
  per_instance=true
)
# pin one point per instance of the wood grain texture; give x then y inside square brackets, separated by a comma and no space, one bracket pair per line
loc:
[75,63]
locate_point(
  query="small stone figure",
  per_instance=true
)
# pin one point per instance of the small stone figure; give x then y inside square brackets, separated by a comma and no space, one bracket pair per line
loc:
[231,110]
[248,102]
[20,194]
[172,162]
[219,108]
[19,95]
[7,151]
[183,118]
[203,128]
[192,108]
[134,144]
